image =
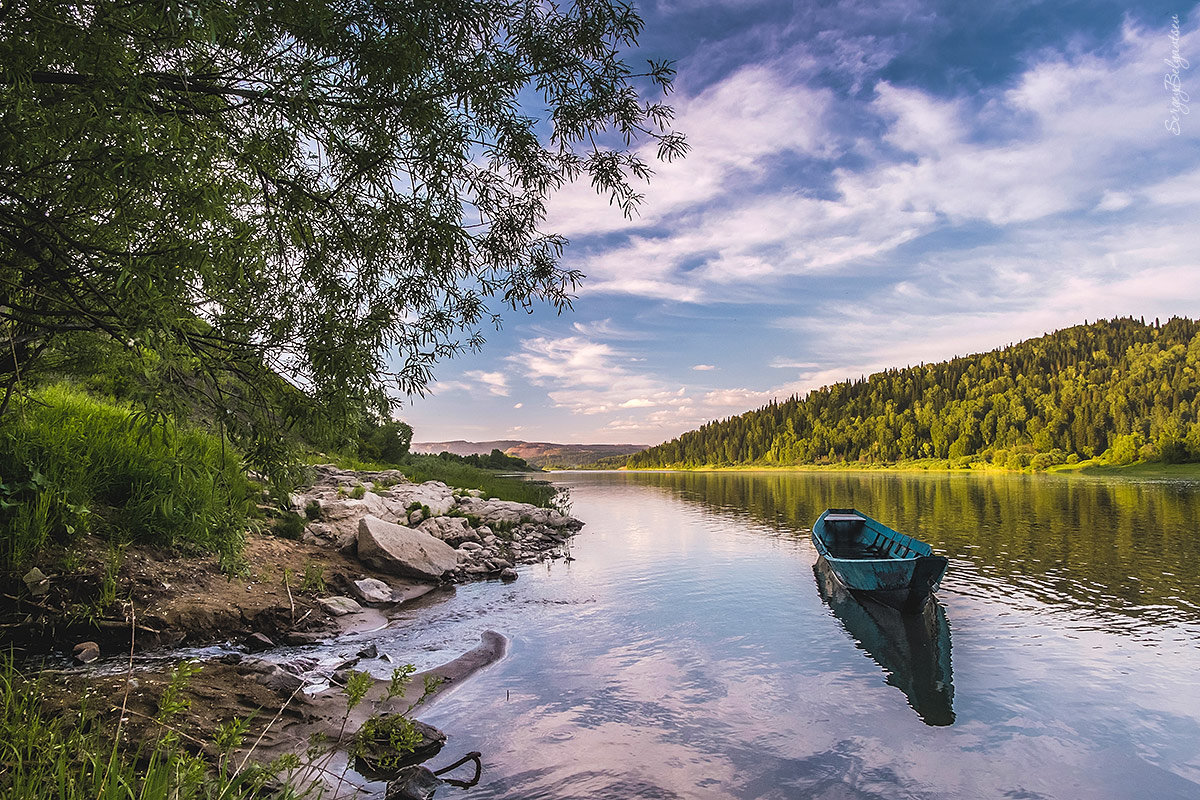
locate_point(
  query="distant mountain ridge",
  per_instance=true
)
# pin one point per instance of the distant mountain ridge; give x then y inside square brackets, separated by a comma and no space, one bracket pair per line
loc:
[539,454]
[1119,390]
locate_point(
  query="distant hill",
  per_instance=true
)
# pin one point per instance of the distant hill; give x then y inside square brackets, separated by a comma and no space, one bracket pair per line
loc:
[1120,389]
[461,447]
[539,454]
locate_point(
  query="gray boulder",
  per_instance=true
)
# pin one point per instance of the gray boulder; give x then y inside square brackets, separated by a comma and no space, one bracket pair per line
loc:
[451,530]
[403,551]
[372,590]
[340,606]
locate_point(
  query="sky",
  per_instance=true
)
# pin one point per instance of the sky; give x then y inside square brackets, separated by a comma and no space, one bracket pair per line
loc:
[870,185]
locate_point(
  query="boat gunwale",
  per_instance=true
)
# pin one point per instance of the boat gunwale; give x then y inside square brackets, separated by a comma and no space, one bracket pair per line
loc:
[873,524]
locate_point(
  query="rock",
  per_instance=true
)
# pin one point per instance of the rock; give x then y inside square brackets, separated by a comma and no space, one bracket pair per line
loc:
[508,574]
[257,642]
[281,682]
[435,495]
[36,582]
[340,606]
[376,756]
[231,658]
[300,638]
[370,651]
[403,551]
[451,530]
[415,517]
[372,590]
[85,652]
[413,783]
[470,546]
[501,563]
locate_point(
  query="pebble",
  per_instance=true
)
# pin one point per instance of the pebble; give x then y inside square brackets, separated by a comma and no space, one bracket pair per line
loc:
[257,642]
[36,582]
[86,652]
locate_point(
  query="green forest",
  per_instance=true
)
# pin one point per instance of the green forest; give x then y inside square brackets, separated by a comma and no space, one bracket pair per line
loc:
[1117,391]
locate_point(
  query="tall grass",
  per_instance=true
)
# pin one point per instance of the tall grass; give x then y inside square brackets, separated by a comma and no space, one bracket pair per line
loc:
[70,463]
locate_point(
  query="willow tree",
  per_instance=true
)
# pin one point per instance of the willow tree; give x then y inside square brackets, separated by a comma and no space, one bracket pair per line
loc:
[344,192]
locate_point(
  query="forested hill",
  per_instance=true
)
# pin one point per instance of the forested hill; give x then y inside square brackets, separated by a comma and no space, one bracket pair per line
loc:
[1120,389]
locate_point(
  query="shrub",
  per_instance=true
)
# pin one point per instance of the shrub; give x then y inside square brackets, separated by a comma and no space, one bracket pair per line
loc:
[289,526]
[1124,450]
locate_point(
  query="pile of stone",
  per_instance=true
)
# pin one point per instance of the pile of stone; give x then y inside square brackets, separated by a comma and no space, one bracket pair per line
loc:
[429,531]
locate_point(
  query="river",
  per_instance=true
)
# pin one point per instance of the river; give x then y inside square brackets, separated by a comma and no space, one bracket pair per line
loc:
[692,650]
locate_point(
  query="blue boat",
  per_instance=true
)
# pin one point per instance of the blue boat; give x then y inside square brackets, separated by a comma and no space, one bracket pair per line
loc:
[872,560]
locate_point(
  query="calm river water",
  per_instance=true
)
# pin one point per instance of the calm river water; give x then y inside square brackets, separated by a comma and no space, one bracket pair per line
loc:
[692,650]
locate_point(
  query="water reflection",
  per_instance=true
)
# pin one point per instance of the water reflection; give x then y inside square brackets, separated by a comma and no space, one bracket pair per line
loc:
[913,649]
[1117,546]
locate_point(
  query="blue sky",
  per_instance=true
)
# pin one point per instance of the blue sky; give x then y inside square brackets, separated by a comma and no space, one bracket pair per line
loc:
[869,186]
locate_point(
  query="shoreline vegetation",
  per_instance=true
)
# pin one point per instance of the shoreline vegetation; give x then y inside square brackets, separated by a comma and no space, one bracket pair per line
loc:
[1144,470]
[125,530]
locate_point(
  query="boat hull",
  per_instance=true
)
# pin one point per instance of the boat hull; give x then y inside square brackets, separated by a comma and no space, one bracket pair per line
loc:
[873,560]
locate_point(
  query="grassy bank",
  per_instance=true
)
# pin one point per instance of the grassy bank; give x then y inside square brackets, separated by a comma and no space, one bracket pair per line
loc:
[420,468]
[71,463]
[1140,470]
[1145,470]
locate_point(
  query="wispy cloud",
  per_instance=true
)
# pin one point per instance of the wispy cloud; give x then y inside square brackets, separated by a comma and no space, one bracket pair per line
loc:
[494,383]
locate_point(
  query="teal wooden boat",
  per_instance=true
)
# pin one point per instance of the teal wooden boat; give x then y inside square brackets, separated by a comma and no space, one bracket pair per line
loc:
[871,559]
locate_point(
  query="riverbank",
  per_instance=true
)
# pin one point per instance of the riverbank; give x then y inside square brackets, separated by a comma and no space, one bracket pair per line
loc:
[362,545]
[1141,470]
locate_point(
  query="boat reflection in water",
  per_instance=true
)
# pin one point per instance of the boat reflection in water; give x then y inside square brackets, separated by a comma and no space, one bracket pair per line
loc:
[913,649]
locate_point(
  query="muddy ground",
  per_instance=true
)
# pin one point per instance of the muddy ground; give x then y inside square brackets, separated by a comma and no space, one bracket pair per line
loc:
[167,600]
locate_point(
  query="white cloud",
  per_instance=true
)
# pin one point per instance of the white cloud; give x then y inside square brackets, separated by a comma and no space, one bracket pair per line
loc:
[703,367]
[1076,133]
[736,130]
[494,383]
[1114,201]
[593,379]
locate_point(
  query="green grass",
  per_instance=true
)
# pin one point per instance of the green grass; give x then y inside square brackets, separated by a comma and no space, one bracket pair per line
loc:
[70,463]
[84,753]
[420,468]
[76,756]
[1141,469]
